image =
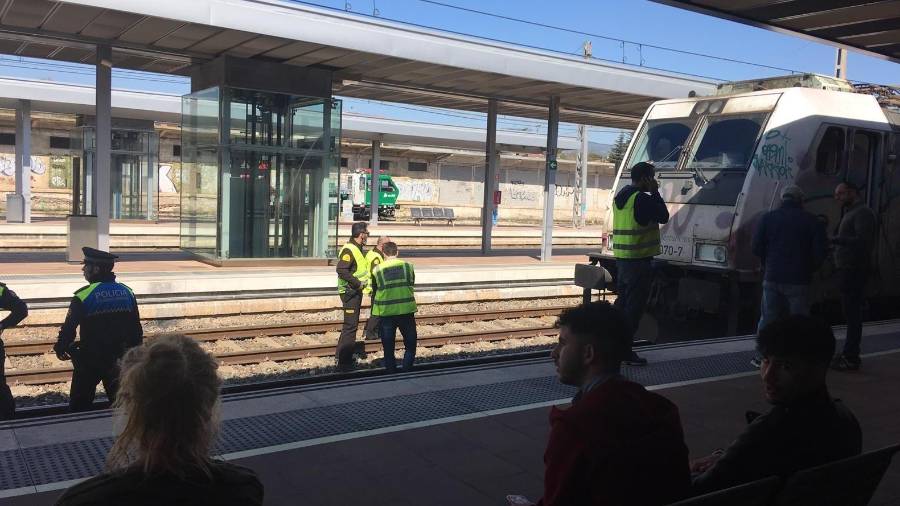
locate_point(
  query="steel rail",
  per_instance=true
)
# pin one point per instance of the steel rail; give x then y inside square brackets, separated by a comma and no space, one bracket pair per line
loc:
[63,374]
[25,348]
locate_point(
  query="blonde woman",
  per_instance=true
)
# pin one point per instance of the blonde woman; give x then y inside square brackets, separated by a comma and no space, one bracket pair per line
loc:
[169,401]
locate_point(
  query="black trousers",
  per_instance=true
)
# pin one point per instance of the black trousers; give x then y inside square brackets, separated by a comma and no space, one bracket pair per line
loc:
[633,288]
[373,324]
[7,403]
[85,378]
[853,290]
[352,300]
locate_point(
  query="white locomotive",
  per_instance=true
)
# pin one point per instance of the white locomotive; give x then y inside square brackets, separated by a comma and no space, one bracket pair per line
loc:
[721,163]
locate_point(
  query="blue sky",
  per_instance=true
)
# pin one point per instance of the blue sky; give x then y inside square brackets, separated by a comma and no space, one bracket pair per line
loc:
[633,20]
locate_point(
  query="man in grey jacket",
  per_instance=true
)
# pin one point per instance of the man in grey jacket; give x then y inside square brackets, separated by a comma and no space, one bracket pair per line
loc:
[852,256]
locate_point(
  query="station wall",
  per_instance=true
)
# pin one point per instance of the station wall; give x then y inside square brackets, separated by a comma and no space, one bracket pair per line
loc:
[425,176]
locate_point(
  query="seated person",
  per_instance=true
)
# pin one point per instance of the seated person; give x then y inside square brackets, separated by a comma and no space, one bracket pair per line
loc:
[618,443]
[805,427]
[169,400]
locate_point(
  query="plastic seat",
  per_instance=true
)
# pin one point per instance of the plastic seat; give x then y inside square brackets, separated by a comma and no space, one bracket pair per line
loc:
[848,482]
[448,213]
[755,493]
[427,213]
[438,212]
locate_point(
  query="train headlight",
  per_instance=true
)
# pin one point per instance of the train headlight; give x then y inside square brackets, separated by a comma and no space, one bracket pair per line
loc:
[705,252]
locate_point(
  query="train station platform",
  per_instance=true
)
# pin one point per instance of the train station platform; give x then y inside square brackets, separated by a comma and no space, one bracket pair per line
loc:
[468,435]
[176,284]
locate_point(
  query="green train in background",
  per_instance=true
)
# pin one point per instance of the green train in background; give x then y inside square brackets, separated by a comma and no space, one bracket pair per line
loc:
[356,187]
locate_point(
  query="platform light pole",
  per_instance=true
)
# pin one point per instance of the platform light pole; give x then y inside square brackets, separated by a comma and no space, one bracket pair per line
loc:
[840,63]
[376,182]
[550,179]
[490,176]
[18,205]
[579,197]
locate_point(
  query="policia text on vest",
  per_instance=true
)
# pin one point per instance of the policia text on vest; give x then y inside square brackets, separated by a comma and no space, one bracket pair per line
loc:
[395,304]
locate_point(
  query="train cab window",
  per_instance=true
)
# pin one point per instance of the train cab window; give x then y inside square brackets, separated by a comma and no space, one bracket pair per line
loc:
[727,142]
[661,141]
[830,151]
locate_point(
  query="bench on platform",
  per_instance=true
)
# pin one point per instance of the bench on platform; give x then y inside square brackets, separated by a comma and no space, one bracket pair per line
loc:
[755,493]
[420,214]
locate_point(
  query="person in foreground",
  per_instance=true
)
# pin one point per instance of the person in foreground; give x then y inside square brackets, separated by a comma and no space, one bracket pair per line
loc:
[169,401]
[618,444]
[805,428]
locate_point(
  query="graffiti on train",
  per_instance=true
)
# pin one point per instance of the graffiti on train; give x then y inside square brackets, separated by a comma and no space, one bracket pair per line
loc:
[773,159]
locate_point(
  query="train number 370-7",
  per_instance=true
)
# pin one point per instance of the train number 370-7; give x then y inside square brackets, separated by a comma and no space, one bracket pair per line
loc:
[673,251]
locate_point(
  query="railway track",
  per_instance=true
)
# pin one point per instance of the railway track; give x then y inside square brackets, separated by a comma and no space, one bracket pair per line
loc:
[62,374]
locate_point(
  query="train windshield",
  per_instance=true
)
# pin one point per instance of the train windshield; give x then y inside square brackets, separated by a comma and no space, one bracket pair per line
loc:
[726,142]
[660,142]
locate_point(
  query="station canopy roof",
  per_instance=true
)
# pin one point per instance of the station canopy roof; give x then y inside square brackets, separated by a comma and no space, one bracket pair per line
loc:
[871,26]
[371,58]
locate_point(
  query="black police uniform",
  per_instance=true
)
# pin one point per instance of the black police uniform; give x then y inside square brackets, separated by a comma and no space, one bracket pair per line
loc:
[110,324]
[17,312]
[351,301]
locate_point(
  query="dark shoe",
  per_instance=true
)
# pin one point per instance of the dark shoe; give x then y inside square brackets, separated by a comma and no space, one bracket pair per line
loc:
[756,362]
[845,363]
[635,359]
[359,349]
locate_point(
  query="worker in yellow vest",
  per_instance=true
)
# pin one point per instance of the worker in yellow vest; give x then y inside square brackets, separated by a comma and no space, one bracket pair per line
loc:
[395,304]
[353,277]
[374,257]
[638,211]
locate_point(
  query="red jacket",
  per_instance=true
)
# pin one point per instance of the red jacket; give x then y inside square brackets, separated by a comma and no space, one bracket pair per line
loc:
[618,445]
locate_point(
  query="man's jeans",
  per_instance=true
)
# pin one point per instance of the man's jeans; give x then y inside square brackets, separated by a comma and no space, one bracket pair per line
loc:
[388,333]
[782,299]
[633,287]
[853,289]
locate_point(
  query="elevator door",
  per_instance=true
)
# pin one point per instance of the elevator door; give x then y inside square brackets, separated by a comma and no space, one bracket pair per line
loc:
[297,226]
[127,185]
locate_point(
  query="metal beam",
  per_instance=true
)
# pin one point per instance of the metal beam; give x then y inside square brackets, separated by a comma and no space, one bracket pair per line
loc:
[376,183]
[18,206]
[103,141]
[490,176]
[550,180]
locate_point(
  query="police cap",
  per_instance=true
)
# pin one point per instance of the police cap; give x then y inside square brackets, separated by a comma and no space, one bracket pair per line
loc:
[98,257]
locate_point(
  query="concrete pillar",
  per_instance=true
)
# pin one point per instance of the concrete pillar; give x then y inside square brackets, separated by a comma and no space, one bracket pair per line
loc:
[491,160]
[376,184]
[101,187]
[18,205]
[550,180]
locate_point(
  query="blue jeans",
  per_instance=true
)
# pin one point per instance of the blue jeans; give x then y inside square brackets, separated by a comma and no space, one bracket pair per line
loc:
[782,299]
[388,333]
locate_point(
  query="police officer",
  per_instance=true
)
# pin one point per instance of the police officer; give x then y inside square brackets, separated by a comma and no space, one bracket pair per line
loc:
[17,312]
[395,304]
[353,277]
[374,257]
[638,211]
[107,313]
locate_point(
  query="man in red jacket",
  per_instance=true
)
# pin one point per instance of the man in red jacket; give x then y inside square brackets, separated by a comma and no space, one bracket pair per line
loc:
[617,444]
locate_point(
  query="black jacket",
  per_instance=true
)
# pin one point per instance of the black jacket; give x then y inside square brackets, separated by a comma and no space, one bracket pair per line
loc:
[648,208]
[12,303]
[790,243]
[109,321]
[811,432]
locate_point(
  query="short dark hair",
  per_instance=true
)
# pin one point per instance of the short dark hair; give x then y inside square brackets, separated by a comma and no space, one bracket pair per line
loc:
[389,249]
[102,267]
[360,227]
[642,170]
[600,324]
[797,336]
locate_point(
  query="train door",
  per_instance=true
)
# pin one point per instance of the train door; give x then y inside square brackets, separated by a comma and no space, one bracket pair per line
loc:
[887,187]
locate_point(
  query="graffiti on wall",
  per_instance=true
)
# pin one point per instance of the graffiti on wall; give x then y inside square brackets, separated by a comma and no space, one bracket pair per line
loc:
[522,193]
[773,159]
[415,190]
[166,184]
[8,165]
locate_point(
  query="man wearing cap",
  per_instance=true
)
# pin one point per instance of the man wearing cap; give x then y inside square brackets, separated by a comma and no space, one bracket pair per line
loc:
[107,313]
[791,244]
[17,312]
[638,211]
[353,277]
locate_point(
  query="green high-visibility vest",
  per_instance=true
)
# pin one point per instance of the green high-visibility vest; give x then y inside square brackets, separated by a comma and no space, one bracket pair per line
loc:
[394,294]
[362,267]
[631,239]
[373,258]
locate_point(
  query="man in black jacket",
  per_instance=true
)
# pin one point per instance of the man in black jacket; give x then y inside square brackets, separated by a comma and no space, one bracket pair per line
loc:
[107,313]
[353,277]
[17,312]
[805,428]
[790,243]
